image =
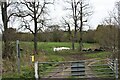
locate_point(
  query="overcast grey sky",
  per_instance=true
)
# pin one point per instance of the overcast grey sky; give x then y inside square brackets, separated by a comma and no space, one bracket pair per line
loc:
[100,8]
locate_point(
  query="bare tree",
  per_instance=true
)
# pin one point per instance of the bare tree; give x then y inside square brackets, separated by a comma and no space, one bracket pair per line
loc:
[74,5]
[80,12]
[6,15]
[84,12]
[33,13]
[73,8]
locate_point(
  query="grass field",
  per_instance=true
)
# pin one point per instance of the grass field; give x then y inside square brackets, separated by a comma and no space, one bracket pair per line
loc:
[48,46]
[100,55]
[46,53]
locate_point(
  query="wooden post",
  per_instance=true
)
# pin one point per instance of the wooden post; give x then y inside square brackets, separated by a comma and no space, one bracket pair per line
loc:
[18,55]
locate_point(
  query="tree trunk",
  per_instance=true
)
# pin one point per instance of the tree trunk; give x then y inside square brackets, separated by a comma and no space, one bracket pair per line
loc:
[70,38]
[35,29]
[5,34]
[75,33]
[73,46]
[80,41]
[35,43]
[81,25]
[6,52]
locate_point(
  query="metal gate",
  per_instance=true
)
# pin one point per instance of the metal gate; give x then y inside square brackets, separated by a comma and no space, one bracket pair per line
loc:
[93,68]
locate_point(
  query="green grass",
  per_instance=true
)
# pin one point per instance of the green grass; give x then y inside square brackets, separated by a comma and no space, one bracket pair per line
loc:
[10,75]
[55,58]
[48,46]
[90,45]
[100,55]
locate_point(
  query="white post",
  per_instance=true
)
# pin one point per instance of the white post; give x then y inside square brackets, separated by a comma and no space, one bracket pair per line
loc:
[116,62]
[36,70]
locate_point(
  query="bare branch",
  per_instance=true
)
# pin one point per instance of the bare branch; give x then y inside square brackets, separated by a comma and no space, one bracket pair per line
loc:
[25,3]
[8,18]
[68,25]
[39,29]
[86,5]
[41,10]
[72,8]
[27,27]
[10,3]
[22,14]
[37,7]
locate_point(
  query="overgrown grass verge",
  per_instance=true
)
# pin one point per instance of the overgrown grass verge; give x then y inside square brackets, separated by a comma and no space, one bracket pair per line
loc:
[25,72]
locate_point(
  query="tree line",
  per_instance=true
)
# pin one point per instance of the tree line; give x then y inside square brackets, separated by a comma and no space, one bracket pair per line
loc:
[105,35]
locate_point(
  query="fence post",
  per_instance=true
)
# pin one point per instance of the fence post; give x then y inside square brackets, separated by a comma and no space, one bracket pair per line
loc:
[36,70]
[116,70]
[18,55]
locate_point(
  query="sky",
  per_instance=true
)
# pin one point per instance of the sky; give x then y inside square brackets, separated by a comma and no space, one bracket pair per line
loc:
[100,11]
